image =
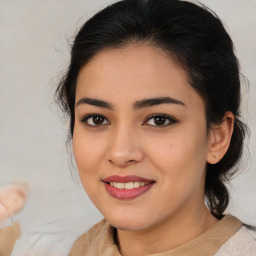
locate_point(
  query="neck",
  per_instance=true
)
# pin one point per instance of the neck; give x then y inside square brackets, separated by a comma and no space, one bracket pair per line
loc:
[167,235]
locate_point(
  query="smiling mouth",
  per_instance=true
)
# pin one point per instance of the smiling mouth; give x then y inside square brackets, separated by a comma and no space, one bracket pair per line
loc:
[127,187]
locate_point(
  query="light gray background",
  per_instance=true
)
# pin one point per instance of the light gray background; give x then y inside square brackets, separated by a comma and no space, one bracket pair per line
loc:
[33,52]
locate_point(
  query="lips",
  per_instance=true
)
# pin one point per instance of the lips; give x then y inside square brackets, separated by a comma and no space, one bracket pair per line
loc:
[127,187]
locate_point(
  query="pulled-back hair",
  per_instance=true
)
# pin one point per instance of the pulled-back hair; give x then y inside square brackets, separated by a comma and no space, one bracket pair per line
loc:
[195,39]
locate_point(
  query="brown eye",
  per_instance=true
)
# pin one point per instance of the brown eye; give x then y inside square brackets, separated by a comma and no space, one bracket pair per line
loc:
[160,120]
[95,120]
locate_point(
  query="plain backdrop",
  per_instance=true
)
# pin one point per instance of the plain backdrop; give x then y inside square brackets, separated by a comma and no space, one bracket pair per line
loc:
[34,51]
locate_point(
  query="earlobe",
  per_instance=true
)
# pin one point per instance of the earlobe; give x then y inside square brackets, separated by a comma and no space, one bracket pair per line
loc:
[219,138]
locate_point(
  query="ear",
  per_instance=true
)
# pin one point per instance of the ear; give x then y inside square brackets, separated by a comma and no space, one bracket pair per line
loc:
[219,138]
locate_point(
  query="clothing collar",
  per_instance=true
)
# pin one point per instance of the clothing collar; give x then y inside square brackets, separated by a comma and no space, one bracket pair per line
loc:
[99,241]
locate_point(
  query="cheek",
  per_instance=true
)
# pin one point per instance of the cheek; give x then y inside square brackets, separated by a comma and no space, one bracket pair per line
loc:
[87,152]
[87,148]
[181,158]
[86,160]
[179,150]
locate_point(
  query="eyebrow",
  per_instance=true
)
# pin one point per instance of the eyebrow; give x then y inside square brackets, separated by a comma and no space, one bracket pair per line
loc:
[95,102]
[156,101]
[137,105]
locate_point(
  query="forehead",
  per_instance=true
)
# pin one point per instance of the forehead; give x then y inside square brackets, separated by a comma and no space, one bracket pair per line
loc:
[133,72]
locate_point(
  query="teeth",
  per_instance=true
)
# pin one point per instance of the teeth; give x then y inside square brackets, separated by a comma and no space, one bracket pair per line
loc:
[127,185]
[136,184]
[120,185]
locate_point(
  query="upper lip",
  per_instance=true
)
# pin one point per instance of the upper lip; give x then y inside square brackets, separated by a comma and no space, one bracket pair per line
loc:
[127,178]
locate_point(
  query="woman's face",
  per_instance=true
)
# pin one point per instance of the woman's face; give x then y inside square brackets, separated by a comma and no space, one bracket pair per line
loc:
[140,138]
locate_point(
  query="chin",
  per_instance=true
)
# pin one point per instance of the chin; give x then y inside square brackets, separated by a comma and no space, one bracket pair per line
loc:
[132,223]
[129,226]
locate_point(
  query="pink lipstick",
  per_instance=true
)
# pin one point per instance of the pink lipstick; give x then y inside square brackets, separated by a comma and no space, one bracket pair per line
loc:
[127,187]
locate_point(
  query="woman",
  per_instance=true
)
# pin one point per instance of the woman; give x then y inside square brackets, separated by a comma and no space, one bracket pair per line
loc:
[153,94]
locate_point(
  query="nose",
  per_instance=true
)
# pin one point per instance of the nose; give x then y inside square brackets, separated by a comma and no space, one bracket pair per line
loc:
[124,148]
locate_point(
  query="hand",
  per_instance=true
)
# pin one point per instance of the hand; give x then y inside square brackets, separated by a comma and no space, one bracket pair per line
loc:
[13,197]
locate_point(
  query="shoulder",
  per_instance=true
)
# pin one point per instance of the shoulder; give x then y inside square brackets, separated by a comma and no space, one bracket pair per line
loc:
[96,241]
[84,242]
[242,243]
[93,232]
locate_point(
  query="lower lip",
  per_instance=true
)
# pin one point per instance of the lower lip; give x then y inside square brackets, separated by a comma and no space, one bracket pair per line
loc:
[125,194]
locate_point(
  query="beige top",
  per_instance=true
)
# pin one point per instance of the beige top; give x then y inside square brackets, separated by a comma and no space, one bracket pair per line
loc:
[99,240]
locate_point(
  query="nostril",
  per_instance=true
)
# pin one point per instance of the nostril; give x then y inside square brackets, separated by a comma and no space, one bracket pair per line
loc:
[121,162]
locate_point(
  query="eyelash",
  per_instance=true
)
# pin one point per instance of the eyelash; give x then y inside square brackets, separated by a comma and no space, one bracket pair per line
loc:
[86,118]
[165,118]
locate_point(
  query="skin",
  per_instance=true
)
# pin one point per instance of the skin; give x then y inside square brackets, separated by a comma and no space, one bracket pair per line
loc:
[130,142]
[12,199]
